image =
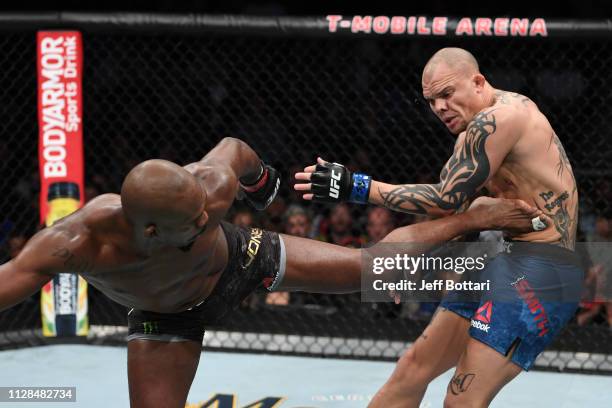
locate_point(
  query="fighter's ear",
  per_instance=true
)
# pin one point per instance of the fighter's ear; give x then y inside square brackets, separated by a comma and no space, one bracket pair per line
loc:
[203,219]
[151,231]
[479,82]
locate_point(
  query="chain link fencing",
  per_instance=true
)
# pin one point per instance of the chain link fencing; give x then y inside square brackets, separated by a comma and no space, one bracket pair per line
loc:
[292,98]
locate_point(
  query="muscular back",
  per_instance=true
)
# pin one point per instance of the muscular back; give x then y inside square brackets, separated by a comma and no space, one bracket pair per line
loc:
[98,243]
[538,171]
[168,280]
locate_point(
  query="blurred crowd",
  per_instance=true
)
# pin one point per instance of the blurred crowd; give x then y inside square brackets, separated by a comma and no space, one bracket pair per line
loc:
[346,225]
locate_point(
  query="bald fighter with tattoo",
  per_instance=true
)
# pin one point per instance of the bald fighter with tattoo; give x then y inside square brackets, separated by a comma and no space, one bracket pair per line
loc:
[508,147]
[161,248]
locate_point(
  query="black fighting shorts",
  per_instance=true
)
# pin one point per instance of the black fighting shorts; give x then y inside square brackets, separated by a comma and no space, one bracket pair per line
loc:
[256,260]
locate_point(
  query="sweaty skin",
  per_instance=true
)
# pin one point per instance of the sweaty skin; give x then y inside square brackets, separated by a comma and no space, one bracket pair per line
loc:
[101,244]
[505,146]
[168,280]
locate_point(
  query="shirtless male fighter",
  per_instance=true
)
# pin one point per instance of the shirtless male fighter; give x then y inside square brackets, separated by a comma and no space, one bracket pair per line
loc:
[162,249]
[507,146]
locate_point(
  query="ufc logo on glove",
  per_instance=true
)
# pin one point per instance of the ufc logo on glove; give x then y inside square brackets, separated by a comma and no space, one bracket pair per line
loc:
[334,189]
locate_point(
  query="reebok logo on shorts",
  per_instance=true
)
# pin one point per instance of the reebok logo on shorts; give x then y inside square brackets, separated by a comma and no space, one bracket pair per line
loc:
[482,317]
[484,312]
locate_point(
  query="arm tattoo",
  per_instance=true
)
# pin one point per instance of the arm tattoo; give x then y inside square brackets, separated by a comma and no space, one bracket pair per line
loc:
[466,170]
[73,263]
[461,382]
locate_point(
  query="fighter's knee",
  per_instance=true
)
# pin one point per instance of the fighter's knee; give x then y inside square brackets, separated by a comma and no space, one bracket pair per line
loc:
[412,373]
[407,384]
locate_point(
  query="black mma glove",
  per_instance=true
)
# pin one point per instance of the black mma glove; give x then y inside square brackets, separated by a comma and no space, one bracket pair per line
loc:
[334,183]
[260,194]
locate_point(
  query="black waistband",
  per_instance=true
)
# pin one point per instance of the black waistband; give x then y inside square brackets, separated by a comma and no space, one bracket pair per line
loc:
[553,252]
